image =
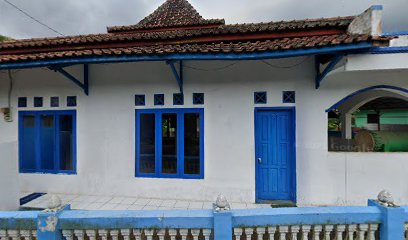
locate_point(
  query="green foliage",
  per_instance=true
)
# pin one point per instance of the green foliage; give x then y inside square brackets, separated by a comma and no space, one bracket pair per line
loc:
[334,124]
[3,38]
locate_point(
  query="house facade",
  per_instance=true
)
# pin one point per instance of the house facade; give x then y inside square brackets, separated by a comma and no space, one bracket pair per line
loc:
[182,107]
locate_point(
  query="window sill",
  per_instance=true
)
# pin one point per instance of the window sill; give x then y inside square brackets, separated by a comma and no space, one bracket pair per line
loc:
[49,173]
[197,177]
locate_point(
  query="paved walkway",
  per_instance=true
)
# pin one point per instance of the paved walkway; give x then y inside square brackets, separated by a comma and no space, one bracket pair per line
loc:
[88,202]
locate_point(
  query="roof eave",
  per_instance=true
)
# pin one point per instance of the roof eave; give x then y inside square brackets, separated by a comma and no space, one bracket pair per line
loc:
[338,49]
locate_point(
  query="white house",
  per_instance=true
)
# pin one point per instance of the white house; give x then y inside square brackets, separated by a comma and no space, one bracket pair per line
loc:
[182,107]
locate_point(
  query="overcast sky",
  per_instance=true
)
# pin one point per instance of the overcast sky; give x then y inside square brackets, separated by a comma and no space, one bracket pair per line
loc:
[72,17]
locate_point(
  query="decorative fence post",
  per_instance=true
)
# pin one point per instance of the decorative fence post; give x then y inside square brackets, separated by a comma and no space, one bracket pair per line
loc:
[392,226]
[47,224]
[222,219]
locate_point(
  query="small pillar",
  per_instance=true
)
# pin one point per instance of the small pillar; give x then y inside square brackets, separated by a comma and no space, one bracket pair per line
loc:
[346,128]
[222,219]
[48,224]
[392,226]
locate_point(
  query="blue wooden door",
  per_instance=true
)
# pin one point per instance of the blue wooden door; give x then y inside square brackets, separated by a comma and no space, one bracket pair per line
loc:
[275,154]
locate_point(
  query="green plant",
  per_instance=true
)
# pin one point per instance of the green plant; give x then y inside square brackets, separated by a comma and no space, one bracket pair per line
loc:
[334,124]
[3,38]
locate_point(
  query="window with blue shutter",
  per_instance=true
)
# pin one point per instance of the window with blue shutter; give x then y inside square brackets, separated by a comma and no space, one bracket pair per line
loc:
[170,143]
[47,142]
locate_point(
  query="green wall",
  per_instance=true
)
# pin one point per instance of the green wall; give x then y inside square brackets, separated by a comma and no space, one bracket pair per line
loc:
[387,117]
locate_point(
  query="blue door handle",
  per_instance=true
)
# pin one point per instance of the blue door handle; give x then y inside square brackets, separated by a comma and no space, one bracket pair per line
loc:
[259,160]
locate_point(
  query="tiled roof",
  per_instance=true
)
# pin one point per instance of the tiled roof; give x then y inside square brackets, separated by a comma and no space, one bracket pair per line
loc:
[173,13]
[163,49]
[272,27]
[177,28]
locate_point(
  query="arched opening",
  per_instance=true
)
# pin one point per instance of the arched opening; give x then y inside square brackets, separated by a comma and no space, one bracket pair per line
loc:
[374,120]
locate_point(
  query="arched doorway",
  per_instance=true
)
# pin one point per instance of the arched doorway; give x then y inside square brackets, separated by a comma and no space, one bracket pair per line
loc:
[373,119]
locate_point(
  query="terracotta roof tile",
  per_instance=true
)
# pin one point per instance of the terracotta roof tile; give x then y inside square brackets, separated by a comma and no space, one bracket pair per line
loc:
[173,13]
[335,23]
[249,46]
[169,30]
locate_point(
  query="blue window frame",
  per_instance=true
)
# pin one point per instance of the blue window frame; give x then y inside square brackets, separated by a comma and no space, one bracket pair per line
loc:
[71,101]
[289,97]
[140,100]
[178,99]
[159,99]
[38,101]
[170,143]
[54,101]
[22,102]
[47,142]
[198,98]
[260,97]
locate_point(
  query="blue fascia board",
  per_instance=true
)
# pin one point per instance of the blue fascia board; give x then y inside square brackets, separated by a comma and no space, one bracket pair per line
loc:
[386,50]
[336,105]
[136,219]
[19,220]
[398,33]
[191,56]
[306,216]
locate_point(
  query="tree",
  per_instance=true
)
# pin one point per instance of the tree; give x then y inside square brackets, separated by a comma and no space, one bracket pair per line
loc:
[3,38]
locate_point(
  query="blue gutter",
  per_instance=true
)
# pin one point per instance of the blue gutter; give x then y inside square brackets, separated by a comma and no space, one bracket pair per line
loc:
[399,33]
[385,50]
[190,56]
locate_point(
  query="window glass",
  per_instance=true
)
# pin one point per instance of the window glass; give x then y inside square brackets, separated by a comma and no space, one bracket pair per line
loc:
[192,143]
[47,141]
[66,142]
[169,143]
[147,143]
[28,143]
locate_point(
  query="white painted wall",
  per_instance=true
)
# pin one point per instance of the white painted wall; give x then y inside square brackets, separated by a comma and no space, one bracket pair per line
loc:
[9,187]
[361,62]
[106,140]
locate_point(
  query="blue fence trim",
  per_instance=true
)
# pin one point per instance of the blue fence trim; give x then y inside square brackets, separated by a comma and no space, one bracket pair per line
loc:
[136,219]
[190,56]
[19,220]
[50,224]
[308,216]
